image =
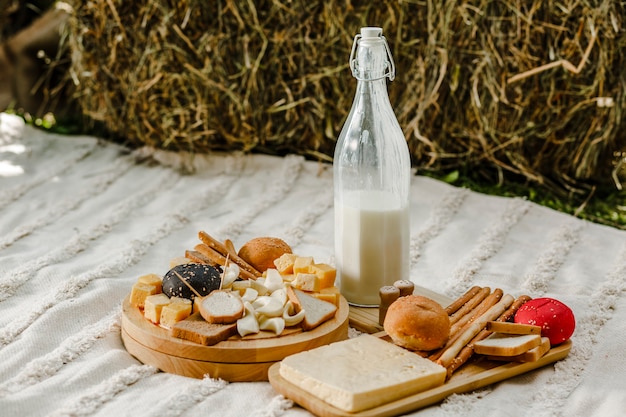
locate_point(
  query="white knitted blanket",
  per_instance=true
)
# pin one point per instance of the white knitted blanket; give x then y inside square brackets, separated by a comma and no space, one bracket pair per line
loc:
[81,219]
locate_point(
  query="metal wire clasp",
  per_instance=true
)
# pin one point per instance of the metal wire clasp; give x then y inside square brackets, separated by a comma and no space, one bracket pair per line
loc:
[389,64]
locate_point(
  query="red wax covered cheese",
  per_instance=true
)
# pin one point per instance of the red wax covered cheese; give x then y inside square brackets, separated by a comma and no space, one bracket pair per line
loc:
[555,318]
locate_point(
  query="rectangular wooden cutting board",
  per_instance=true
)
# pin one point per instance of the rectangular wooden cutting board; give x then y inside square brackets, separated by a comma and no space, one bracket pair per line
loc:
[477,373]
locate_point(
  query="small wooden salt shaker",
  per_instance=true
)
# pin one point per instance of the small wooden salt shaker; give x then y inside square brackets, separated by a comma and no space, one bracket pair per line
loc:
[388,294]
[405,286]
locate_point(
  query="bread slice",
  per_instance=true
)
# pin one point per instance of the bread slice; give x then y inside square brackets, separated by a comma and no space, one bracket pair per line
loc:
[196,329]
[316,311]
[500,344]
[512,328]
[532,355]
[221,307]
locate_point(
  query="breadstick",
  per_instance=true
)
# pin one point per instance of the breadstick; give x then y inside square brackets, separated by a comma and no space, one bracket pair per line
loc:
[452,308]
[466,353]
[508,315]
[213,243]
[470,304]
[456,330]
[216,257]
[477,311]
[197,257]
[222,249]
[230,247]
[473,329]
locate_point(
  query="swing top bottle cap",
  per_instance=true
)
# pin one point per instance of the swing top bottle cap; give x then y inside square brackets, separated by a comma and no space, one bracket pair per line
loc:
[371,36]
[371,32]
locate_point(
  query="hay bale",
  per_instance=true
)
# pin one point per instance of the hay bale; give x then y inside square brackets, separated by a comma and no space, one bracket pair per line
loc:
[529,90]
[16,15]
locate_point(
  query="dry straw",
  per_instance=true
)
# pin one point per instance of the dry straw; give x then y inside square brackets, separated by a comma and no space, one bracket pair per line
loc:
[527,89]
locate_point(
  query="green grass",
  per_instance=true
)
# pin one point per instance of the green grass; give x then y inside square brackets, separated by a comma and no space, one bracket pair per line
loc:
[601,205]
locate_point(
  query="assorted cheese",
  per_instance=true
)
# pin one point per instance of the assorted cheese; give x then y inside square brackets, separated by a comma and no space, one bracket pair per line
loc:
[267,306]
[301,292]
[253,305]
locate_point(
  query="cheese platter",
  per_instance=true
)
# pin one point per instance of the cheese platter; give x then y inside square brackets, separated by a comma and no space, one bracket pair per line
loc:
[267,314]
[236,359]
[232,314]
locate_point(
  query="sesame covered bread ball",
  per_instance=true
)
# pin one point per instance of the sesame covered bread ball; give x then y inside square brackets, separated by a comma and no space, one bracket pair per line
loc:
[187,280]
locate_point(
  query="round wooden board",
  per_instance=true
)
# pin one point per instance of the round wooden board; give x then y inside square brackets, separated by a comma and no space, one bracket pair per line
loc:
[232,360]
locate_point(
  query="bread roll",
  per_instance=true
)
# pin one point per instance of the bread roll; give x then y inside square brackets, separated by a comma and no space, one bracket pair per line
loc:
[417,323]
[261,252]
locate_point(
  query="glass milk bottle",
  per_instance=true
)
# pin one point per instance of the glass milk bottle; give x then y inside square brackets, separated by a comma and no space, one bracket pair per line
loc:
[372,175]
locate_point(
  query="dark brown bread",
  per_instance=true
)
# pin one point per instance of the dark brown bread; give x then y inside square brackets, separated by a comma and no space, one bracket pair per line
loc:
[196,329]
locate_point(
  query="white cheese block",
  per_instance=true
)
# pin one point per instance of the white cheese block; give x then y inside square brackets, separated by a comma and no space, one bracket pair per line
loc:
[361,373]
